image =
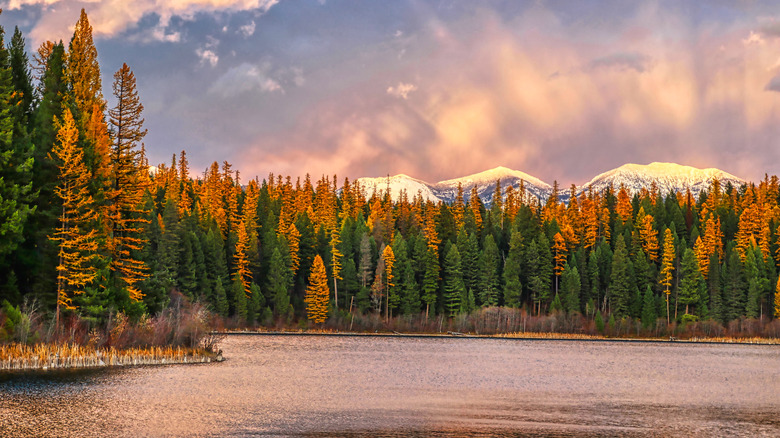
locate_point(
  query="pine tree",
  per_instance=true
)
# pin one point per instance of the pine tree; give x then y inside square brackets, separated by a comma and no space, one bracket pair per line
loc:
[489,280]
[622,285]
[77,241]
[278,284]
[430,279]
[317,294]
[454,286]
[540,264]
[570,288]
[512,286]
[649,314]
[15,165]
[125,214]
[691,280]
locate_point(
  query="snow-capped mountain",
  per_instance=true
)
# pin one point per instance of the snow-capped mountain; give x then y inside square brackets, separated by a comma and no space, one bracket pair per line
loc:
[667,176]
[397,184]
[447,191]
[486,185]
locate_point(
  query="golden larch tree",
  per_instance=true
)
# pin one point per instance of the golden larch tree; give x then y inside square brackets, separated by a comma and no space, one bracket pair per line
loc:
[648,236]
[624,208]
[317,294]
[75,232]
[777,299]
[335,263]
[389,261]
[125,214]
[559,255]
[667,267]
[243,273]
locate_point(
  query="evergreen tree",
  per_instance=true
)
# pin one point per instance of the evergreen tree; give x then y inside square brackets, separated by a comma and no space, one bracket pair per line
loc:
[430,280]
[570,288]
[691,280]
[649,314]
[512,286]
[278,284]
[622,285]
[124,197]
[454,285]
[489,280]
[540,265]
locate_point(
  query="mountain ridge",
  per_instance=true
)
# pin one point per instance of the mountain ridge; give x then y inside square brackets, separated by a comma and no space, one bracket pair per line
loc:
[667,176]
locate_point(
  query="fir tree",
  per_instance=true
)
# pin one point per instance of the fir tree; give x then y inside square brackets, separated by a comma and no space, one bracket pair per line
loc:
[454,286]
[512,286]
[489,280]
[691,280]
[622,285]
[649,314]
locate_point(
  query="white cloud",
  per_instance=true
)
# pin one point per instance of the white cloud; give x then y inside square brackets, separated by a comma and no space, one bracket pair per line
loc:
[402,90]
[246,78]
[207,56]
[248,29]
[754,38]
[111,17]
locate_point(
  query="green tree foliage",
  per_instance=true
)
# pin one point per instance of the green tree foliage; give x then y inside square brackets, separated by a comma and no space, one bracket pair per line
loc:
[513,289]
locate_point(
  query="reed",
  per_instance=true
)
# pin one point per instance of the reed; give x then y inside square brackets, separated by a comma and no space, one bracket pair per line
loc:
[18,356]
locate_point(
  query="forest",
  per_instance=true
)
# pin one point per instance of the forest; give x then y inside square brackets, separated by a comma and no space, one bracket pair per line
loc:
[89,230]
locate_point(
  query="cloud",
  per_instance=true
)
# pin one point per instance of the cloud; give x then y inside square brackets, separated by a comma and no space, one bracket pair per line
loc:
[207,56]
[248,29]
[774,84]
[402,90]
[754,38]
[622,61]
[770,29]
[112,17]
[246,78]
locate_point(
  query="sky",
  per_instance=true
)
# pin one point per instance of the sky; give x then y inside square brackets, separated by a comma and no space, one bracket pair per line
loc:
[562,90]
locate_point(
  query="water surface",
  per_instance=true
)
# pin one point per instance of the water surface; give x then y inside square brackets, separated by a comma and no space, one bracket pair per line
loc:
[372,386]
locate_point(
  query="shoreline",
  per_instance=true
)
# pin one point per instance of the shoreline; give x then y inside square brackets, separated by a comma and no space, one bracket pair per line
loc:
[510,336]
[48,357]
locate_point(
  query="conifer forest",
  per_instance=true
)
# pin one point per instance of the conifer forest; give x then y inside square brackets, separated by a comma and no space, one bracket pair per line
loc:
[90,229]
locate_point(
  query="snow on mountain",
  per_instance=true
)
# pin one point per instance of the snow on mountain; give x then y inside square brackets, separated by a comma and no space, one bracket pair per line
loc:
[397,184]
[486,185]
[667,176]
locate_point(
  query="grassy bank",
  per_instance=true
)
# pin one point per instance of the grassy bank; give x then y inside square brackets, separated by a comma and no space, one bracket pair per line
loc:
[32,340]
[47,356]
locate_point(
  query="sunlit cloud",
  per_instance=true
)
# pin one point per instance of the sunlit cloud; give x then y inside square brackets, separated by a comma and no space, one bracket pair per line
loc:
[402,90]
[111,17]
[207,56]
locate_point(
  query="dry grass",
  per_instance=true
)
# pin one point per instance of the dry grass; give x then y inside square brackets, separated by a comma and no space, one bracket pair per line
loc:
[48,356]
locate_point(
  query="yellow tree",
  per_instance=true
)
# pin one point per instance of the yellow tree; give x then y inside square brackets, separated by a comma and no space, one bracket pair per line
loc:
[702,254]
[317,294]
[648,236]
[777,299]
[459,208]
[243,273]
[335,263]
[75,233]
[475,204]
[389,259]
[559,254]
[124,197]
[667,267]
[293,241]
[624,208]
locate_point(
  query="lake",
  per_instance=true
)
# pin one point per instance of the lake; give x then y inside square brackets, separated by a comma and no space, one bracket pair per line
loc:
[329,386]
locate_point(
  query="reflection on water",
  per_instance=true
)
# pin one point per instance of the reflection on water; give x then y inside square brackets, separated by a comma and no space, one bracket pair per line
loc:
[360,387]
